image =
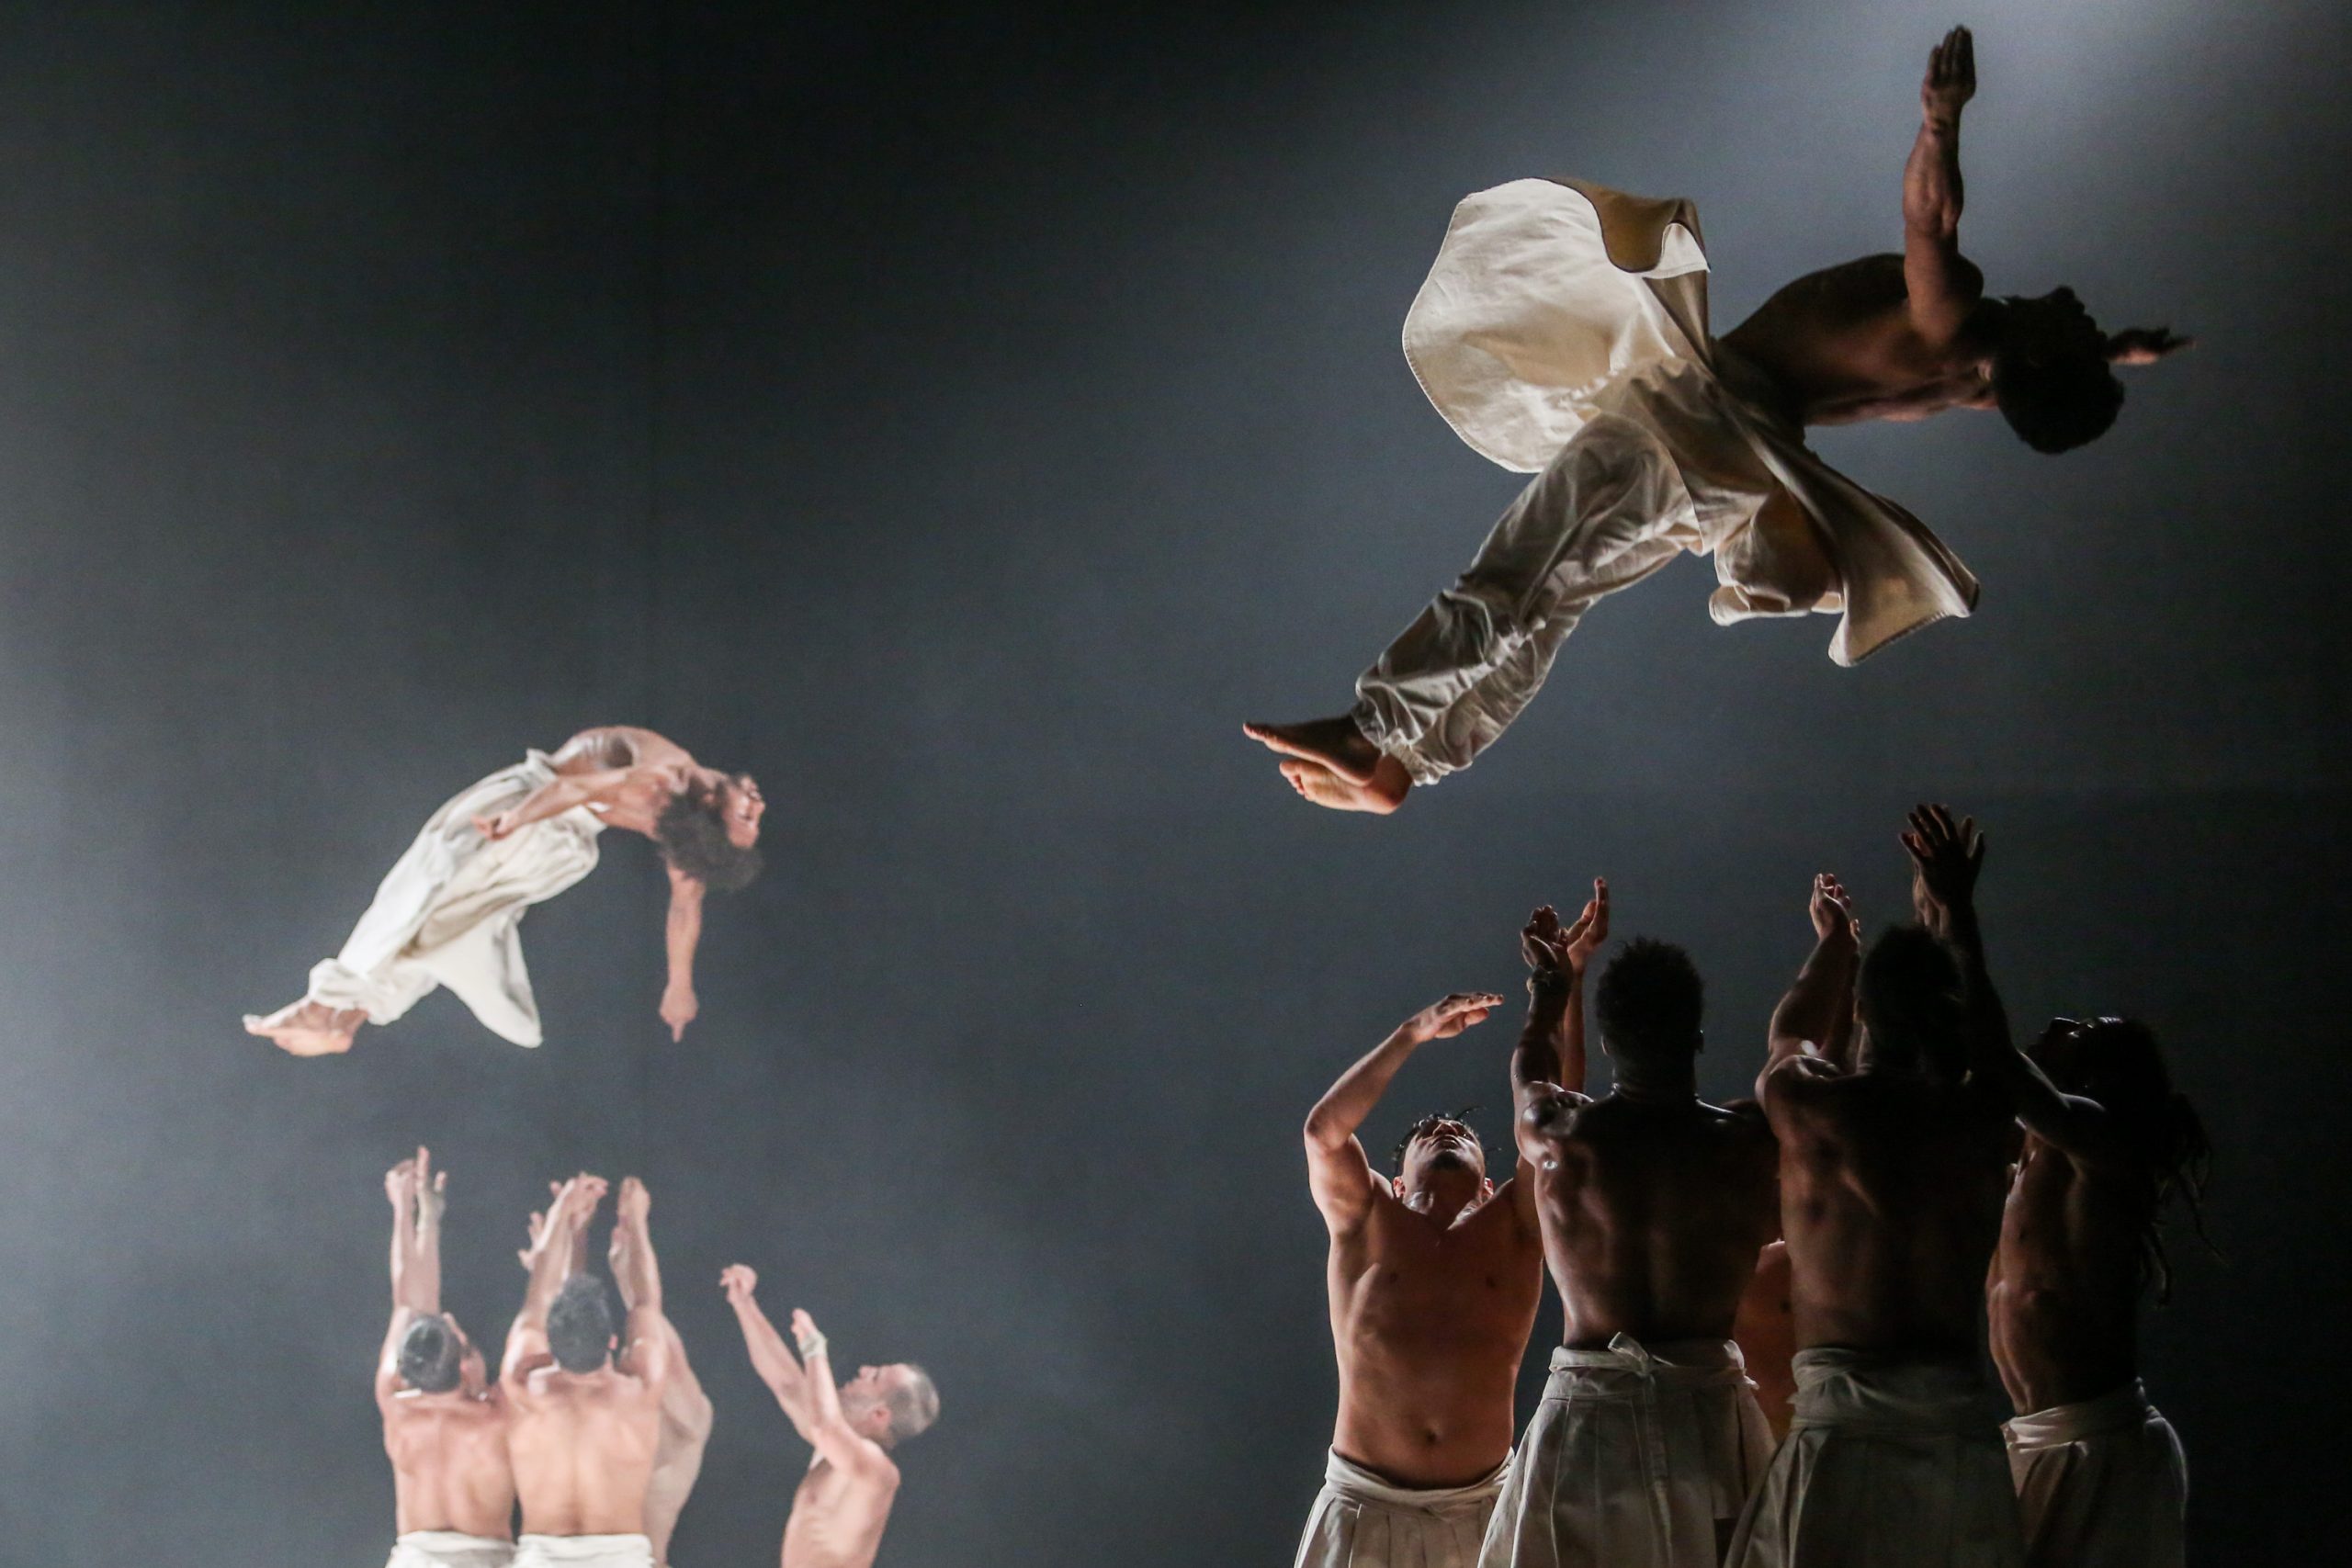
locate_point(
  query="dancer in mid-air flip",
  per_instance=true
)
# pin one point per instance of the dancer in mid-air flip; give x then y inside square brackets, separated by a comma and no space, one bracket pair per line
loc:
[447,913]
[1562,332]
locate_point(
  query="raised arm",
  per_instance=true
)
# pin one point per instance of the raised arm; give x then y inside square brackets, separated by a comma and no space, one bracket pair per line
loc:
[1815,1019]
[550,1261]
[841,1445]
[638,1274]
[1548,1063]
[1946,856]
[1337,1172]
[769,1358]
[1943,286]
[680,934]
[401,1187]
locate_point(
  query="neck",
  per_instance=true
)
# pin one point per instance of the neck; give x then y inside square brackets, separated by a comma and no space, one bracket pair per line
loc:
[1658,1086]
[1443,1197]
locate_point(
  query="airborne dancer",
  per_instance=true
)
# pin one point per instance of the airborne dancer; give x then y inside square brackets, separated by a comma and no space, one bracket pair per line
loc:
[1563,333]
[449,911]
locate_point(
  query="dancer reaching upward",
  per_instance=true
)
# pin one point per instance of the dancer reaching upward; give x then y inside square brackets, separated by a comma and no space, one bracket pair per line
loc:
[2100,1476]
[1562,332]
[1434,1276]
[449,911]
[444,1424]
[1653,1206]
[844,1502]
[586,1429]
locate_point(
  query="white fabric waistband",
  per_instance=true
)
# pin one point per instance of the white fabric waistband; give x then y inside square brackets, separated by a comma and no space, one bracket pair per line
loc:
[1892,1391]
[598,1550]
[1355,1482]
[1677,1363]
[2062,1424]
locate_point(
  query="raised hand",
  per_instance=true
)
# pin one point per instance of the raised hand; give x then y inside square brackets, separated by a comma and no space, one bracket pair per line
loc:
[805,1336]
[2144,345]
[679,1007]
[399,1185]
[1444,1019]
[1950,81]
[432,1189]
[636,1202]
[1832,909]
[739,1281]
[1945,858]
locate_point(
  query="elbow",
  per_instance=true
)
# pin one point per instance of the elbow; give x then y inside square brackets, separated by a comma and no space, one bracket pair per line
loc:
[1322,1133]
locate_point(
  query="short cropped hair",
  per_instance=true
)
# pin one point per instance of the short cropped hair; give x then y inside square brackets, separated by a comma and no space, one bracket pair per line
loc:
[431,1355]
[1427,1124]
[692,831]
[1651,1004]
[914,1404]
[2057,404]
[580,1325]
[1911,1001]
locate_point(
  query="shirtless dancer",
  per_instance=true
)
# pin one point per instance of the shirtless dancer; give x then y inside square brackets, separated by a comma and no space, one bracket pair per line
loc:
[448,912]
[1654,1205]
[445,1429]
[1562,332]
[1892,1171]
[1434,1278]
[585,1427]
[844,1502]
[2100,1474]
[686,1409]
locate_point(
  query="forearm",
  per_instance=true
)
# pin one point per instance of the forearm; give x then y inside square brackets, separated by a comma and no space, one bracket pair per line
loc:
[680,934]
[1931,184]
[550,1266]
[1551,1043]
[774,1362]
[1808,1014]
[636,1272]
[1346,1103]
[425,1268]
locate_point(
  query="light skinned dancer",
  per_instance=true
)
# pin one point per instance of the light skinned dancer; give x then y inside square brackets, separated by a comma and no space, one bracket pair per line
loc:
[449,911]
[444,1424]
[1655,1206]
[586,1425]
[2100,1476]
[1563,333]
[1893,1167]
[1434,1277]
[844,1502]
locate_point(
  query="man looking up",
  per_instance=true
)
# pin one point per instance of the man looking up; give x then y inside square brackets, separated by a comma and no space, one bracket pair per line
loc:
[844,1502]
[445,1430]
[1654,1205]
[1434,1275]
[1893,1171]
[586,1426]
[2100,1474]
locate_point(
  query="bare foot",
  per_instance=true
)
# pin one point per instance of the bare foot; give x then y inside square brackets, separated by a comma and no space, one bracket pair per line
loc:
[1320,785]
[308,1028]
[1334,745]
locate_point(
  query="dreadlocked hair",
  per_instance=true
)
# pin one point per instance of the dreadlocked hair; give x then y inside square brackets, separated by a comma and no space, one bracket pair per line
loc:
[2116,1062]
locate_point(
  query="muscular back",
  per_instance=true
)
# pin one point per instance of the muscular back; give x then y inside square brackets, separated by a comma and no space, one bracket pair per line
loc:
[1890,1192]
[838,1516]
[449,1465]
[2065,1290]
[1430,1322]
[583,1446]
[1653,1215]
[1843,345]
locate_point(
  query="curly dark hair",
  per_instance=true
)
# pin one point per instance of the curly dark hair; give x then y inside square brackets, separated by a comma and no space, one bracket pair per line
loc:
[431,1355]
[2118,1063]
[1651,1006]
[692,831]
[2057,403]
[580,1325]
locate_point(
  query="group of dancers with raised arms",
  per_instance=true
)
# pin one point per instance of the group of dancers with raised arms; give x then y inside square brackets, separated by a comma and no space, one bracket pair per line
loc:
[1773,1307]
[594,1431]
[1773,1346]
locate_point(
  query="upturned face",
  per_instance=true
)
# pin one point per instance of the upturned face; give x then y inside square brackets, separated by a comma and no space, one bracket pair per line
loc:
[869,1393]
[741,808]
[1447,1145]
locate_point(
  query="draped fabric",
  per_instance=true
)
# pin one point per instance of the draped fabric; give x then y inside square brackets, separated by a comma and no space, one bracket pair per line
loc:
[1888,1460]
[1361,1521]
[2101,1483]
[449,1549]
[583,1551]
[1633,1456]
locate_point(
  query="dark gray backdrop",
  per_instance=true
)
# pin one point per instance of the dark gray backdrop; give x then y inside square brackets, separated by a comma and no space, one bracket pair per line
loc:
[963,419]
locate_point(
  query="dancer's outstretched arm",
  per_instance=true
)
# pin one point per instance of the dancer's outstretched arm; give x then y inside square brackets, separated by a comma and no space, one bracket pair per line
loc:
[1338,1173]
[681,936]
[1815,1019]
[840,1444]
[646,1347]
[549,1257]
[769,1359]
[1942,285]
[414,1289]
